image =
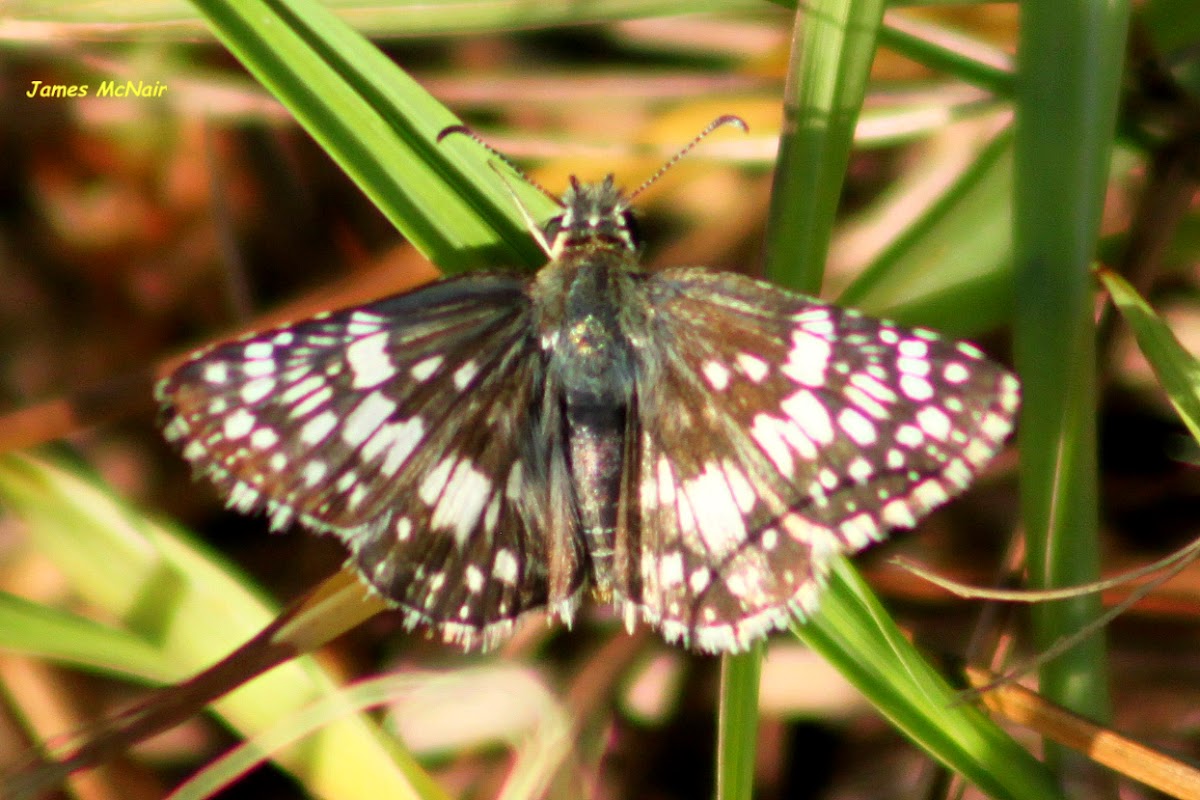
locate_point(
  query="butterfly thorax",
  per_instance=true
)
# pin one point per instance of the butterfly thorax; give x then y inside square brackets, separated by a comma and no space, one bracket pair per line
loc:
[586,296]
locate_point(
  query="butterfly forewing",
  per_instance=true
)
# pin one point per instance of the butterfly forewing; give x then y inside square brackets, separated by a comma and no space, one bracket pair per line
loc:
[410,428]
[774,430]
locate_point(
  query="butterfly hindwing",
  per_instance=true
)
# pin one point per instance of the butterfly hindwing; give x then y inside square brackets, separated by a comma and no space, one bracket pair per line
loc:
[773,430]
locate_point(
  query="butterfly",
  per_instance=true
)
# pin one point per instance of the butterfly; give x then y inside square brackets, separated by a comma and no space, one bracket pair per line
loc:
[692,446]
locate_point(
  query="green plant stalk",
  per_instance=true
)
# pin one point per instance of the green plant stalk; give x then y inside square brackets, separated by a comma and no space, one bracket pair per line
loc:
[737,724]
[833,49]
[833,45]
[1069,78]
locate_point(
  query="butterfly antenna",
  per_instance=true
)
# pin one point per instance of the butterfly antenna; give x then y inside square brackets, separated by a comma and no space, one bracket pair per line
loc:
[465,131]
[719,122]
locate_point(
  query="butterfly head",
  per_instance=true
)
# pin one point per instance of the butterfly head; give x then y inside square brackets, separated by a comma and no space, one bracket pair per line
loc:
[594,215]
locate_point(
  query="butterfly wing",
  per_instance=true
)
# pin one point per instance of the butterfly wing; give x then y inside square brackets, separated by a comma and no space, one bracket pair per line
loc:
[417,430]
[772,431]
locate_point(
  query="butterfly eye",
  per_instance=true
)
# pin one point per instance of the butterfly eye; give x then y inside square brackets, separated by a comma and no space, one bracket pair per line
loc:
[553,228]
[632,229]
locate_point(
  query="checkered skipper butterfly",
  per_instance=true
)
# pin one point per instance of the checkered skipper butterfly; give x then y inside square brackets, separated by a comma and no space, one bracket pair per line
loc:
[691,445]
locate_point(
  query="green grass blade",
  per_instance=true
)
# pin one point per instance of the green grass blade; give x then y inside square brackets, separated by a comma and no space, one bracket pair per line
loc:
[951,269]
[1070,60]
[54,635]
[737,725]
[1178,370]
[833,45]
[165,19]
[854,633]
[382,128]
[191,609]
[968,59]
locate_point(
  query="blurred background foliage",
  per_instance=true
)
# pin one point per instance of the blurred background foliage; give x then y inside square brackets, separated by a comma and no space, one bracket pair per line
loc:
[132,229]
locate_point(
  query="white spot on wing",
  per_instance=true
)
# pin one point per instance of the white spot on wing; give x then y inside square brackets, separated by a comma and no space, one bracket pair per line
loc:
[474,579]
[717,375]
[311,403]
[860,469]
[365,419]
[258,369]
[302,389]
[828,478]
[313,472]
[670,570]
[957,473]
[425,368]
[666,482]
[435,481]
[767,431]
[404,438]
[910,436]
[461,504]
[720,522]
[346,480]
[257,389]
[955,372]
[808,359]
[857,427]
[930,493]
[743,491]
[238,424]
[897,514]
[755,368]
[978,453]
[505,566]
[864,401]
[263,439]
[512,487]
[256,350]
[216,373]
[873,387]
[492,514]
[995,427]
[859,531]
[970,350]
[363,322]
[934,422]
[369,362]
[317,428]
[915,387]
[465,374]
[404,528]
[810,414]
